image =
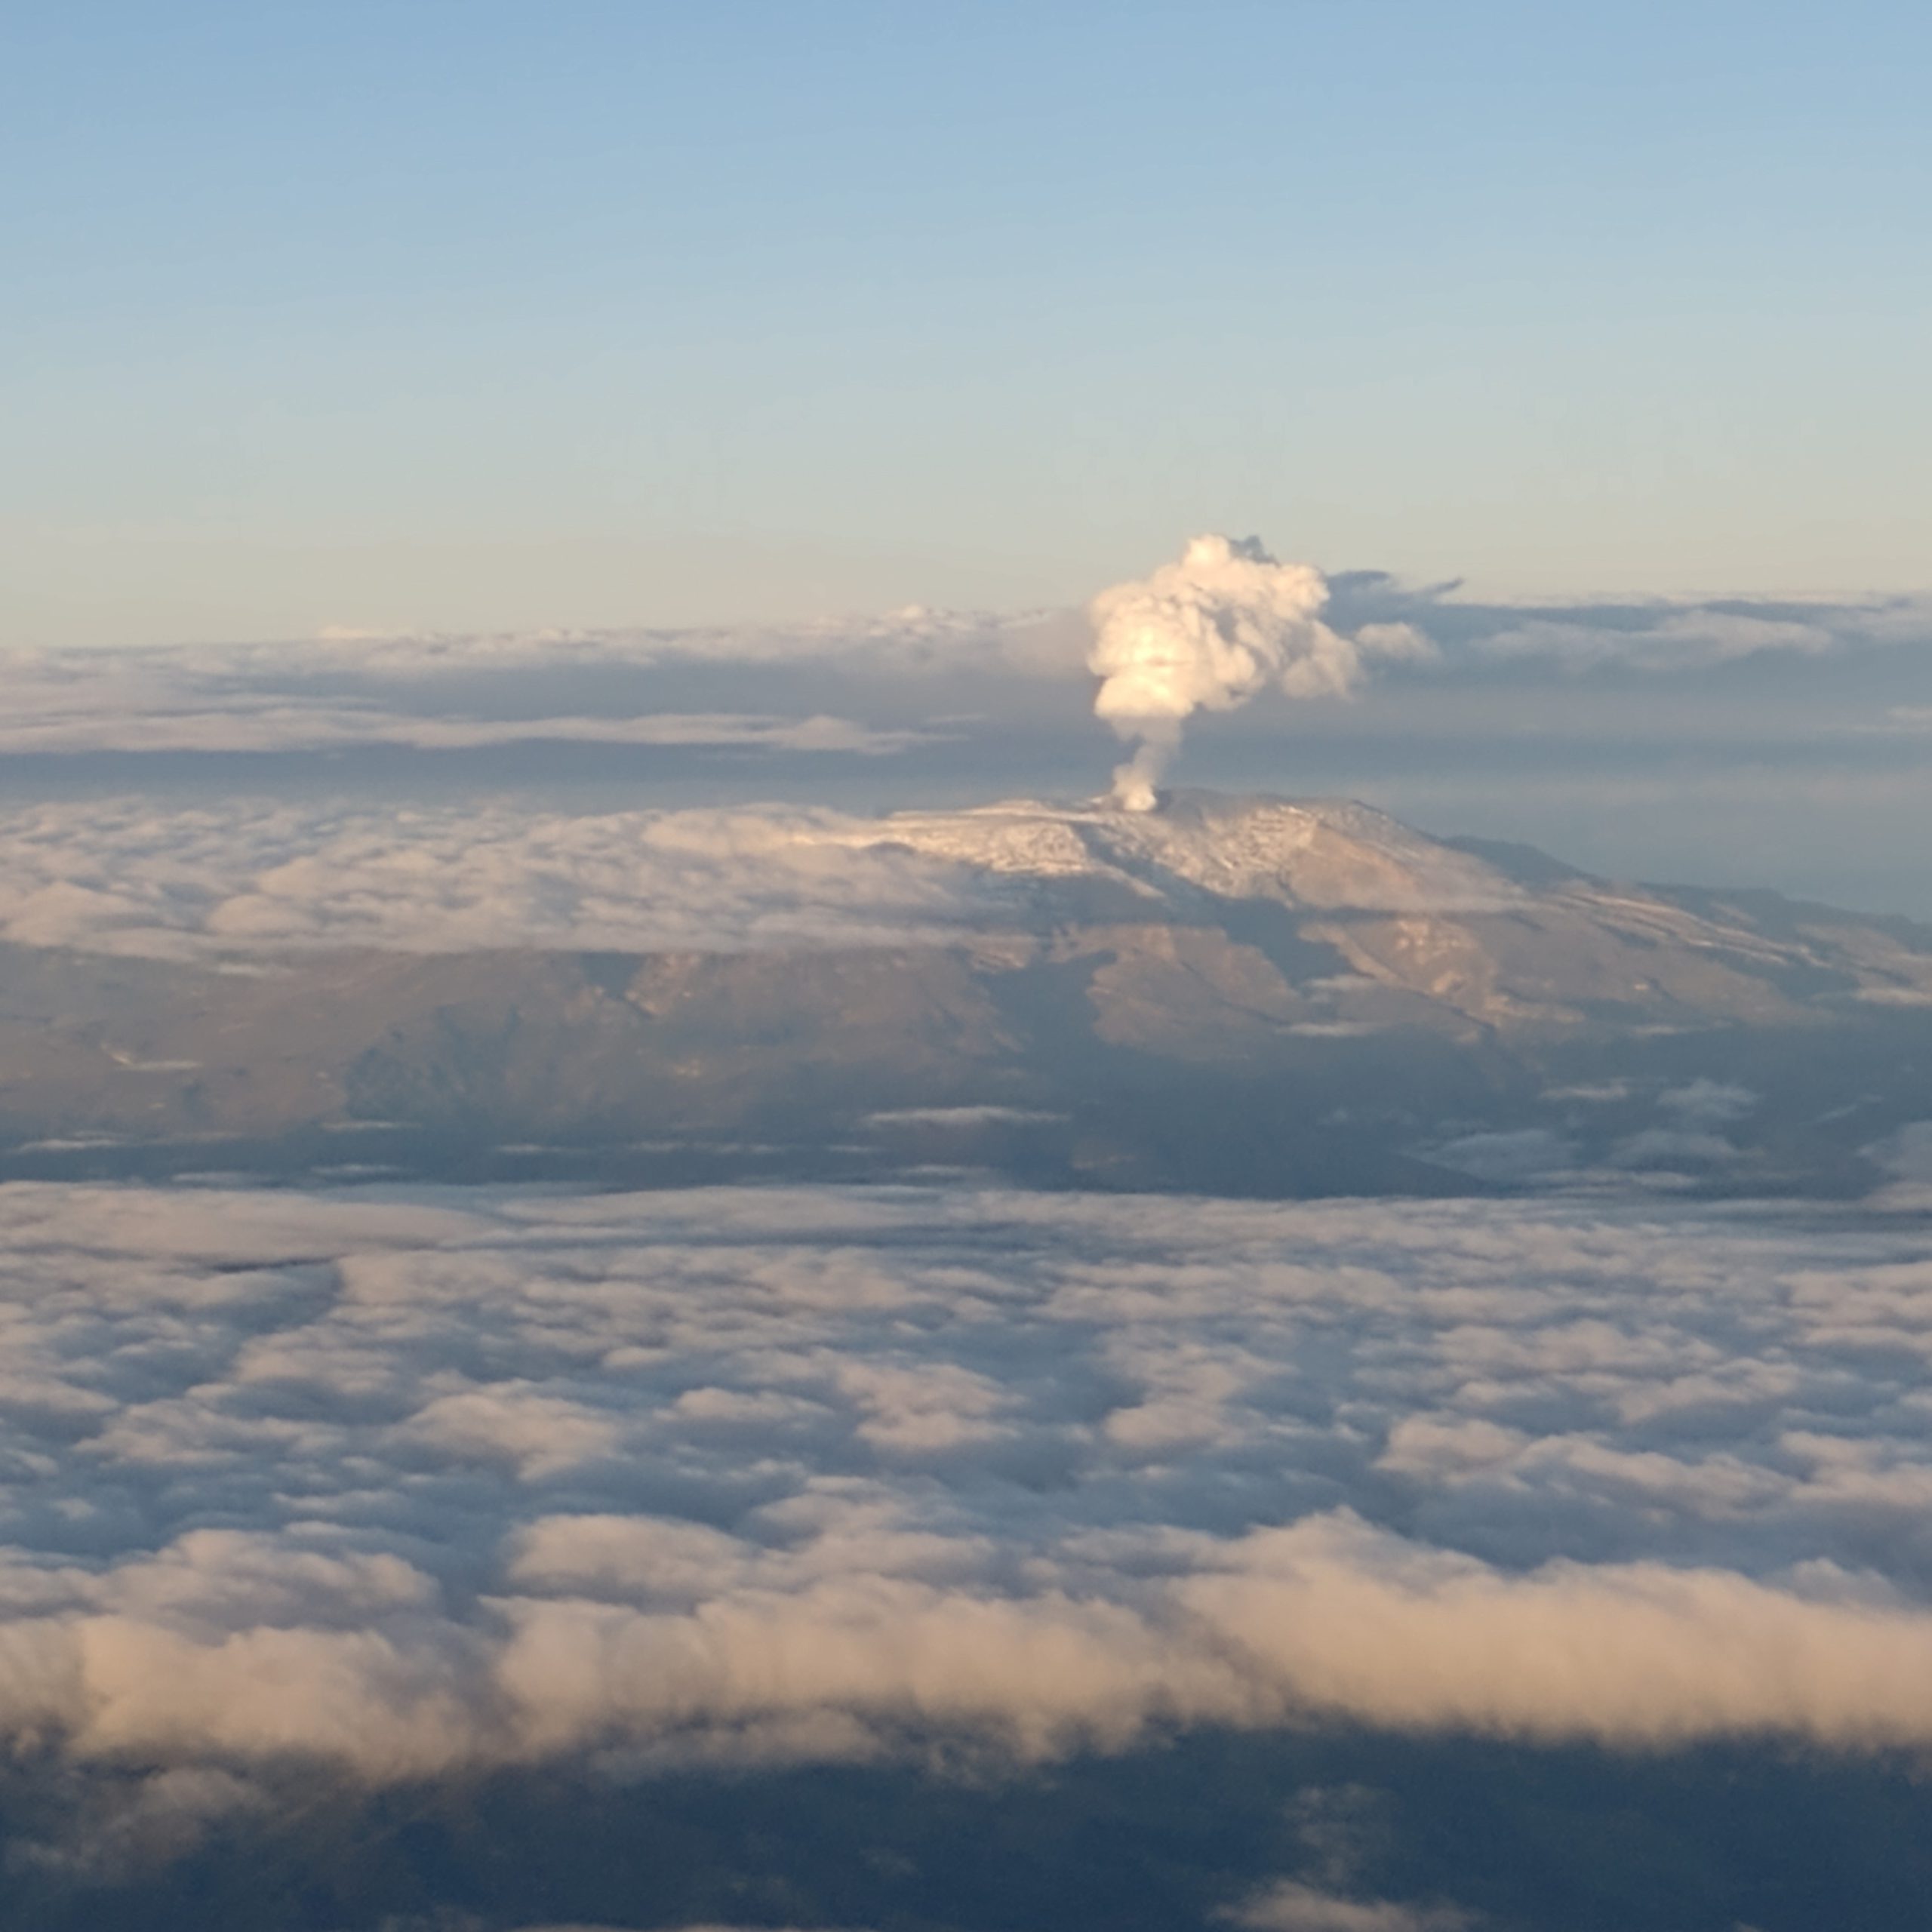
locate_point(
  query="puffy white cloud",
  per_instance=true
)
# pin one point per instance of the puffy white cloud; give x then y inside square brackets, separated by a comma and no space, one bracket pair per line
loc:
[1907,1156]
[404,1482]
[1209,631]
[1290,1907]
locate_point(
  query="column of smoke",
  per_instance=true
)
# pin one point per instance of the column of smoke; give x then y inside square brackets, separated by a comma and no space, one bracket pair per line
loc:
[1208,632]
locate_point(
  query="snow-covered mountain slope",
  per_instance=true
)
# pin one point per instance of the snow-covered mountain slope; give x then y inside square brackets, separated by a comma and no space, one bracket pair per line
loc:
[1321,852]
[1406,918]
[1245,993]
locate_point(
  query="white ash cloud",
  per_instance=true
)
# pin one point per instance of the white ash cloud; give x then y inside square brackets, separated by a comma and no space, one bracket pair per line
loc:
[411,1483]
[1208,632]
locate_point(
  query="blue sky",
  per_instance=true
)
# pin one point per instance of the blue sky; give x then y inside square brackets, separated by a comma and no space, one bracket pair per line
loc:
[464,316]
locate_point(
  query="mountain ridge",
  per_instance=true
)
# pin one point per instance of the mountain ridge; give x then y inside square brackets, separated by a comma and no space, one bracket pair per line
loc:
[1246,994]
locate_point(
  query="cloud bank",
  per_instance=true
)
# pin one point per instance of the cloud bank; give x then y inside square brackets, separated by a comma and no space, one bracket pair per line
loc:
[279,725]
[243,876]
[1210,631]
[410,1483]
[441,693]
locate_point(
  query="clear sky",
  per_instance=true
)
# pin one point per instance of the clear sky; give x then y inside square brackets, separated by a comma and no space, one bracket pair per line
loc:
[472,315]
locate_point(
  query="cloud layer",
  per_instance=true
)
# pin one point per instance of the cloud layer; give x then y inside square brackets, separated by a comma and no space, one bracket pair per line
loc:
[1208,631]
[254,875]
[154,878]
[465,692]
[410,1483]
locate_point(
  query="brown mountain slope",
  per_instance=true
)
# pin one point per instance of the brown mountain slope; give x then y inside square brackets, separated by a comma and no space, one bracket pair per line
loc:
[1271,983]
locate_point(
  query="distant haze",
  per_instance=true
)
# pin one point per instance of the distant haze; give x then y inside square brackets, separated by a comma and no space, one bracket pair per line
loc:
[1727,742]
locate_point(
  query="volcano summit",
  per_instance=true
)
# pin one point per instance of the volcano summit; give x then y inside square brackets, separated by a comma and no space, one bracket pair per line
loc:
[1246,994]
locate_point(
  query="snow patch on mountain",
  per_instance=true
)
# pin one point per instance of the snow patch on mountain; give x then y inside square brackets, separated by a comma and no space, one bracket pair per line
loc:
[1327,853]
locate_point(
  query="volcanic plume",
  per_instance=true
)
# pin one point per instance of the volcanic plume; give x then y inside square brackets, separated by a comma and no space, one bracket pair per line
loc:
[1208,632]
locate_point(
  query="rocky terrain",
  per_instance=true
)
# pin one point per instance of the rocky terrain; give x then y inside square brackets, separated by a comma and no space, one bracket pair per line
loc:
[1245,994]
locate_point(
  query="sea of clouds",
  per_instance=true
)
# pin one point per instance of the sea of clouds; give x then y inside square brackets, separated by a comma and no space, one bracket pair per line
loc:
[409,1484]
[156,878]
